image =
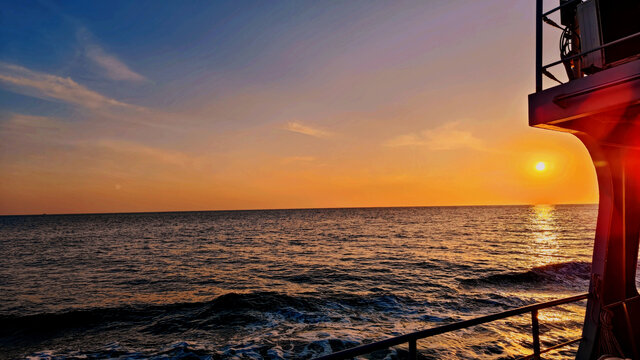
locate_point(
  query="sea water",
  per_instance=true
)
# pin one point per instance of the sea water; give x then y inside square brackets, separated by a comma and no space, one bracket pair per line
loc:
[289,284]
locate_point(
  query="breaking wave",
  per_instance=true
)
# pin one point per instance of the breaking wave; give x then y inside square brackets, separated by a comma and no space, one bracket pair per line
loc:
[225,310]
[560,273]
[285,284]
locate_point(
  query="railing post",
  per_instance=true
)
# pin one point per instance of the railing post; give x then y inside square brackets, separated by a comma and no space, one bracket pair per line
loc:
[413,337]
[538,45]
[413,353]
[535,329]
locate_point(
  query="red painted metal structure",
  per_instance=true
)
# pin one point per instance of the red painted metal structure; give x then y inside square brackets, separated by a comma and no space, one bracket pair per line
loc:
[602,109]
[600,105]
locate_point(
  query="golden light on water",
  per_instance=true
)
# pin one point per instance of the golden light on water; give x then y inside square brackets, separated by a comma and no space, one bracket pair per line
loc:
[544,230]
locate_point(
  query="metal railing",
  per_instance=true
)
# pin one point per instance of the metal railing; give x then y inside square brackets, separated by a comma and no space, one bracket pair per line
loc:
[412,338]
[543,69]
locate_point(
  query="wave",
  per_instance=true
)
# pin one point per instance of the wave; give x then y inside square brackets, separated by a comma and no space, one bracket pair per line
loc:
[231,309]
[189,350]
[178,351]
[230,313]
[560,273]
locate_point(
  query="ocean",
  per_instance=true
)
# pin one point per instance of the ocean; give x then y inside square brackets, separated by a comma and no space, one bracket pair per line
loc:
[289,284]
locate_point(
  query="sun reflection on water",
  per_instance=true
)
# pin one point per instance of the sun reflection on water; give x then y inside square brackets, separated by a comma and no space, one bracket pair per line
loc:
[544,231]
[307,279]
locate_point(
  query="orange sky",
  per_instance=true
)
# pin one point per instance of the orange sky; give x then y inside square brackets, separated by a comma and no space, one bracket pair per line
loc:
[391,108]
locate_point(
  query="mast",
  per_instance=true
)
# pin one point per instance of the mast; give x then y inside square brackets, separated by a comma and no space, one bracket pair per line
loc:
[599,103]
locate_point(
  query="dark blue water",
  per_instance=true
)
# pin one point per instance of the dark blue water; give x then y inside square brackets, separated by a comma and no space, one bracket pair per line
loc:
[287,283]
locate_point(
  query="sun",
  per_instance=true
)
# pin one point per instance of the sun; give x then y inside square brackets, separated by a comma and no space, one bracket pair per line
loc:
[541,166]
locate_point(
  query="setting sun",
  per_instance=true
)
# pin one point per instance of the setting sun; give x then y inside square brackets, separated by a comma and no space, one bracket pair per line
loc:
[326,174]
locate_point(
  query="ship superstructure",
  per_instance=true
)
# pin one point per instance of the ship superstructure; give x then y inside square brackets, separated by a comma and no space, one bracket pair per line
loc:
[592,92]
[599,103]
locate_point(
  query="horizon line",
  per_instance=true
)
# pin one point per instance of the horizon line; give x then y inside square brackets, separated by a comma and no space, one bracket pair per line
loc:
[301,208]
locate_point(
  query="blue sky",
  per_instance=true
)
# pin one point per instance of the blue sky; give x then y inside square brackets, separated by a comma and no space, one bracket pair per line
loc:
[241,104]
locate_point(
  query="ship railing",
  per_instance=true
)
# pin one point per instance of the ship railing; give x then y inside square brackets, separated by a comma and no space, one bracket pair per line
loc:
[412,338]
[542,17]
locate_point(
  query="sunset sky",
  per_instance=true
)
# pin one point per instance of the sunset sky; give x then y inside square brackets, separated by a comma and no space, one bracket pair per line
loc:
[198,105]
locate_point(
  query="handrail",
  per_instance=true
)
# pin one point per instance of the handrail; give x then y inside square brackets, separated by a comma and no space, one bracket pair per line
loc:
[542,69]
[554,347]
[558,62]
[411,338]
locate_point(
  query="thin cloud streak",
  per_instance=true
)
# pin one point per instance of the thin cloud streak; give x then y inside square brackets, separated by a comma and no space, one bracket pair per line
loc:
[299,128]
[114,68]
[20,127]
[51,87]
[22,121]
[444,137]
[298,159]
[174,158]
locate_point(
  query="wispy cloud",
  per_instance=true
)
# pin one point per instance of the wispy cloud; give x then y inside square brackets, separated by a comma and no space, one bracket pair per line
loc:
[113,67]
[444,137]
[299,128]
[133,149]
[15,120]
[297,159]
[53,87]
[15,125]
